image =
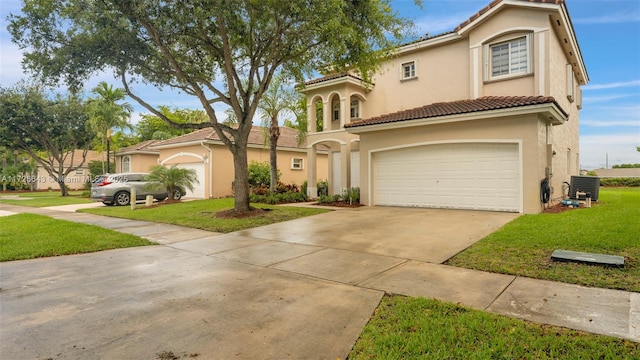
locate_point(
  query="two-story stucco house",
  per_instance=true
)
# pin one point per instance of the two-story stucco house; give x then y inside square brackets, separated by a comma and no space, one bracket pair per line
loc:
[474,118]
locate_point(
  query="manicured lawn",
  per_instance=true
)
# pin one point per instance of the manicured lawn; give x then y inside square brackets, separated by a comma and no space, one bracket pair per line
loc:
[418,328]
[200,214]
[43,198]
[524,246]
[28,236]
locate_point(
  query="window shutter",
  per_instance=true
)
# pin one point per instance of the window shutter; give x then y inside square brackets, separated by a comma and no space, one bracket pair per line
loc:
[570,86]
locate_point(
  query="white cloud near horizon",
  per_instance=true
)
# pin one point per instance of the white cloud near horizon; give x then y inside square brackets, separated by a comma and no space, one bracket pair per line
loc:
[611,123]
[619,148]
[614,85]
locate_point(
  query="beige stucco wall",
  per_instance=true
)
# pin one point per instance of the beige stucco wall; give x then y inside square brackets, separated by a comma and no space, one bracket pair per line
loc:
[218,164]
[138,162]
[523,130]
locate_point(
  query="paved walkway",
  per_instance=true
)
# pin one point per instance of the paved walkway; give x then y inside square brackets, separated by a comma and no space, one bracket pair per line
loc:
[318,291]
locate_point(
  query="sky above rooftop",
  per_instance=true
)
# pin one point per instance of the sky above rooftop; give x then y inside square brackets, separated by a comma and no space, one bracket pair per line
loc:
[608,33]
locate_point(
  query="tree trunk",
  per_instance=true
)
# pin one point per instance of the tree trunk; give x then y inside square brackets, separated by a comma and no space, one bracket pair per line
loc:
[241,178]
[63,189]
[274,134]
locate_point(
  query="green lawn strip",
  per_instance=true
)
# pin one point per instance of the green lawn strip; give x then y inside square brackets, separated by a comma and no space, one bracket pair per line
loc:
[43,198]
[418,328]
[28,236]
[200,214]
[524,246]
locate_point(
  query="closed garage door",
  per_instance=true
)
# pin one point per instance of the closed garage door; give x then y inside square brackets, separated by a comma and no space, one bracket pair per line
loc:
[198,191]
[480,176]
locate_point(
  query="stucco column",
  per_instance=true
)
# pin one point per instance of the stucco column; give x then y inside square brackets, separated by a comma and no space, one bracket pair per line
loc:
[326,115]
[311,125]
[345,167]
[312,181]
[344,111]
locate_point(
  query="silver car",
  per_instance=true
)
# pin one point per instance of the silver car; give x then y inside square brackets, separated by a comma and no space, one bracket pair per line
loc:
[115,189]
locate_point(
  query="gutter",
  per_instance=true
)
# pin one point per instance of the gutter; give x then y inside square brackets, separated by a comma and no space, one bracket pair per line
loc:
[210,163]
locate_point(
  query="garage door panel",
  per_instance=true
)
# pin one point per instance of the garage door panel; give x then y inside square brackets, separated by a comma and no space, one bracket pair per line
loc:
[199,188]
[467,176]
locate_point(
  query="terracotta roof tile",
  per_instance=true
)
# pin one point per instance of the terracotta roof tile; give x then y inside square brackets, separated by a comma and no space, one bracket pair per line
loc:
[288,137]
[457,107]
[331,77]
[143,146]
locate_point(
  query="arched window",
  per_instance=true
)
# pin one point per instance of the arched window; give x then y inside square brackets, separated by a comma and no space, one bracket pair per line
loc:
[355,108]
[336,111]
[126,164]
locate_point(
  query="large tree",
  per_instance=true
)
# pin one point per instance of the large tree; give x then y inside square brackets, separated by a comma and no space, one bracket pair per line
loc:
[151,127]
[219,51]
[50,129]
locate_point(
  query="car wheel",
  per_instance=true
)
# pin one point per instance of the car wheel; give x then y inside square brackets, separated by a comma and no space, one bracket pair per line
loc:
[122,198]
[177,194]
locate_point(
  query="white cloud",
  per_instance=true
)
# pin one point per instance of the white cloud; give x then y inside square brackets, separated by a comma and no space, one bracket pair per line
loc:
[619,148]
[614,85]
[603,98]
[611,123]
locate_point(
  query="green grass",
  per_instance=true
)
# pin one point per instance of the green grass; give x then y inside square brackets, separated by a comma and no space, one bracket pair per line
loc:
[417,328]
[200,214]
[524,246]
[28,236]
[43,198]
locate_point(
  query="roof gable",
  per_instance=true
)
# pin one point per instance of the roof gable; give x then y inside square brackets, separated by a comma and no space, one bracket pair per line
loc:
[288,138]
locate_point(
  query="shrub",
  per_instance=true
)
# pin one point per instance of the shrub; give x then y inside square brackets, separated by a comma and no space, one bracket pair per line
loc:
[323,188]
[632,182]
[260,173]
[278,198]
[351,195]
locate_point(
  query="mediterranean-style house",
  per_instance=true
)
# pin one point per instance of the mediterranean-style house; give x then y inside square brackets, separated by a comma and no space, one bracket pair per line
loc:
[474,118]
[204,152]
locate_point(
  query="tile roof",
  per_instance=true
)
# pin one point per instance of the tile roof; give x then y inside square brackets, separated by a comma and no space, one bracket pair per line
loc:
[458,107]
[331,77]
[143,146]
[288,137]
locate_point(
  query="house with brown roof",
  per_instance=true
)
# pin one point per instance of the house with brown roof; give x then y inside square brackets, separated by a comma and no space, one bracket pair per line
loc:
[77,179]
[204,152]
[474,118]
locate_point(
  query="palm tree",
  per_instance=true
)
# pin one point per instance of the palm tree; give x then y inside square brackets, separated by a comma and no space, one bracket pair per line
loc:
[173,178]
[105,113]
[279,98]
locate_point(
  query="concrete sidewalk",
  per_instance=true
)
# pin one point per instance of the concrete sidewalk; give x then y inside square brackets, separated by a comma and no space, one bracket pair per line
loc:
[201,290]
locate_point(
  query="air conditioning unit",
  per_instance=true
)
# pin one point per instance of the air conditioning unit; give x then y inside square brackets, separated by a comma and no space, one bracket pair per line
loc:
[586,184]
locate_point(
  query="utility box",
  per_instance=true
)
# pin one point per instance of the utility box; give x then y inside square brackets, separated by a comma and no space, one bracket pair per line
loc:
[586,184]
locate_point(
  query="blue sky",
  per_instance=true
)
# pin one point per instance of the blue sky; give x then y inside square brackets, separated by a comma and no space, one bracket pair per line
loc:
[608,32]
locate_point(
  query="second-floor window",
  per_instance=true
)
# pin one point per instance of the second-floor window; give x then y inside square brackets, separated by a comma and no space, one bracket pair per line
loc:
[336,111]
[355,108]
[512,57]
[408,70]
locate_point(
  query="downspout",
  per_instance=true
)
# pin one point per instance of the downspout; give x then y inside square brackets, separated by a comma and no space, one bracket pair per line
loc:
[209,162]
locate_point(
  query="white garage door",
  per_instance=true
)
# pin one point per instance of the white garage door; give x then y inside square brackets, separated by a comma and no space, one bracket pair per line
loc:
[481,176]
[198,189]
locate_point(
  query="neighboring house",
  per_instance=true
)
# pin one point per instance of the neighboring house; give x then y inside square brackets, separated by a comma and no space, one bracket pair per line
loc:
[471,119]
[203,152]
[618,172]
[137,158]
[76,179]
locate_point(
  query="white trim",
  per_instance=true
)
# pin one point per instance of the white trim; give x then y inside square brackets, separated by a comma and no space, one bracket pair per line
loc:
[474,72]
[517,3]
[550,108]
[457,141]
[415,70]
[529,44]
[542,64]
[183,154]
[341,142]
[518,32]
[293,163]
[571,93]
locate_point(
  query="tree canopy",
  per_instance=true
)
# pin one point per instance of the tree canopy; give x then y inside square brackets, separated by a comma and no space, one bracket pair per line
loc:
[219,51]
[50,130]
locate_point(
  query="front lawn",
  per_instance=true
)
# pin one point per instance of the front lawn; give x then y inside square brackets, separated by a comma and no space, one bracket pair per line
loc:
[418,328]
[200,214]
[43,198]
[28,236]
[524,246]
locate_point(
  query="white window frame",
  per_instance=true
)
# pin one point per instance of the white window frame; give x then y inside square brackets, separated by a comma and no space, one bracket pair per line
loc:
[488,58]
[127,160]
[409,70]
[297,163]
[335,111]
[354,108]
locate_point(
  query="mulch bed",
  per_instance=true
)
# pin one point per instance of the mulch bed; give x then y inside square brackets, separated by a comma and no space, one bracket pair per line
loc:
[233,214]
[558,208]
[340,204]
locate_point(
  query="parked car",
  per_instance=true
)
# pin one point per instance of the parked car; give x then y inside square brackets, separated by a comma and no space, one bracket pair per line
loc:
[115,189]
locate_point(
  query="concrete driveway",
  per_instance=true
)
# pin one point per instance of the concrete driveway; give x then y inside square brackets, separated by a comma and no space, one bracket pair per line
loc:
[302,289]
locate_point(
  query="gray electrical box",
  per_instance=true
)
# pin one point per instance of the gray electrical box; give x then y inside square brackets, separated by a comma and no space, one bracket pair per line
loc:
[586,184]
